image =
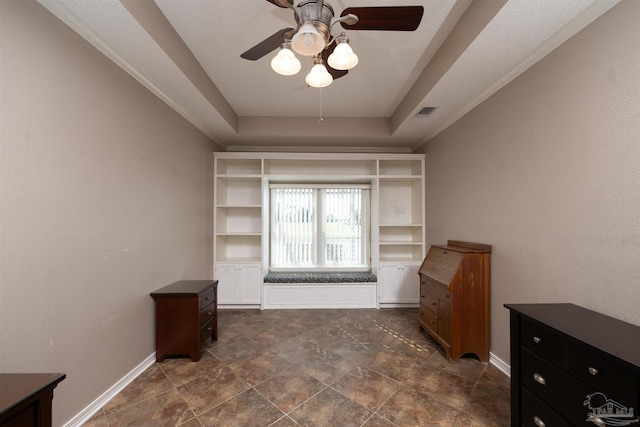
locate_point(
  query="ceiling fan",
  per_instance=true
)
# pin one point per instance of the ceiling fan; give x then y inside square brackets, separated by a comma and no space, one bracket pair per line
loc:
[333,56]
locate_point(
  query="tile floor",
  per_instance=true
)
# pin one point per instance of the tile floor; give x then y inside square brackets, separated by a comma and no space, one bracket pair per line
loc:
[280,368]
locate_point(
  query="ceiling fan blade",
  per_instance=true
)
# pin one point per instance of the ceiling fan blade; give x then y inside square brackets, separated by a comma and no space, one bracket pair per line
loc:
[267,45]
[336,74]
[385,18]
[281,3]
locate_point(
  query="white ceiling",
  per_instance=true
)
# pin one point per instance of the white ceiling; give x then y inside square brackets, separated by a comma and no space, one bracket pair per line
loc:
[188,53]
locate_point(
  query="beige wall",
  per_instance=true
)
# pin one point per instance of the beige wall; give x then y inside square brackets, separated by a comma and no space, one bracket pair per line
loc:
[548,171]
[105,195]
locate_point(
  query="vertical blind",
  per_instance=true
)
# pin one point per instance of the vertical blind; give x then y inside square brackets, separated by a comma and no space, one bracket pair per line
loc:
[319,227]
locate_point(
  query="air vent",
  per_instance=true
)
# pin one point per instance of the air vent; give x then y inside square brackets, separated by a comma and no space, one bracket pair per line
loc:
[426,111]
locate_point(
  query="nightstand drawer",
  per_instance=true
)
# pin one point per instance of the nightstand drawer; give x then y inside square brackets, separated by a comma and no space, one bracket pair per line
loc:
[207,314]
[604,375]
[536,413]
[207,298]
[543,341]
[206,331]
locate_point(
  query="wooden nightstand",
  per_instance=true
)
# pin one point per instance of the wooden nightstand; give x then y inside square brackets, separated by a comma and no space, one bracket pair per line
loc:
[186,315]
[25,399]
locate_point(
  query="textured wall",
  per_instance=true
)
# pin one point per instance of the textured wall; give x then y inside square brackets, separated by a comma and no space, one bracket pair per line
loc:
[105,195]
[548,172]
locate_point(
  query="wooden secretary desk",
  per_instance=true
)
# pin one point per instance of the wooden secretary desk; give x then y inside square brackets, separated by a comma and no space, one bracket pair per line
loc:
[454,297]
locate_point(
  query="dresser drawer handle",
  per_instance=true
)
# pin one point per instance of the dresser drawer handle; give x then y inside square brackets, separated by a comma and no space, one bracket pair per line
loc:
[537,421]
[537,340]
[539,379]
[593,371]
[596,420]
[209,328]
[209,313]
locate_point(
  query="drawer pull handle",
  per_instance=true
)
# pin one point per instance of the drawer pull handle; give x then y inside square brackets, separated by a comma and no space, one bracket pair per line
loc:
[596,420]
[537,340]
[209,313]
[593,371]
[539,379]
[209,328]
[537,421]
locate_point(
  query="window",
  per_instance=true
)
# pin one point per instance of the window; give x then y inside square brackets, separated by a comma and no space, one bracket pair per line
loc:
[319,227]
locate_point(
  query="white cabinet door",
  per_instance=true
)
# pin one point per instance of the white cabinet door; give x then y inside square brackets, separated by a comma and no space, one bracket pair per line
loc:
[249,284]
[399,284]
[239,283]
[411,284]
[226,277]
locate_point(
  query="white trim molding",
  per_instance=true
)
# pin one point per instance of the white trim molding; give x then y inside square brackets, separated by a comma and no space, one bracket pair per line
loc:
[84,415]
[500,364]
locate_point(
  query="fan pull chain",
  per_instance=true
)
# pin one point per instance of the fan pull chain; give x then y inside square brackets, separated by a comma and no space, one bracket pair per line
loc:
[321,119]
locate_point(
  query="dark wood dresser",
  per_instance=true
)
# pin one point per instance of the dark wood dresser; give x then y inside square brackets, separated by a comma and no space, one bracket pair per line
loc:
[454,297]
[571,366]
[25,399]
[186,315]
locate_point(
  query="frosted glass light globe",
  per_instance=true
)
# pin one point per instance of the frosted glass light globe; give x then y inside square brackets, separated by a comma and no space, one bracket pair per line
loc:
[319,76]
[285,63]
[343,57]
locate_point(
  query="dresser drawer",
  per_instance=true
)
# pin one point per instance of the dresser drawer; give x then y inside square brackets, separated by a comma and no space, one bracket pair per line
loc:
[428,294]
[558,389]
[206,331]
[429,318]
[604,375]
[536,413]
[543,341]
[549,382]
[207,298]
[207,314]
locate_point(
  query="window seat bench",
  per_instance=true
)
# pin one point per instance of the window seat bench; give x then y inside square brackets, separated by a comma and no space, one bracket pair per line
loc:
[284,290]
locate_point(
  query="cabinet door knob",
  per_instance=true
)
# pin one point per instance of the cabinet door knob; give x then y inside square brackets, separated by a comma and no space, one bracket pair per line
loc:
[537,340]
[539,379]
[593,371]
[537,421]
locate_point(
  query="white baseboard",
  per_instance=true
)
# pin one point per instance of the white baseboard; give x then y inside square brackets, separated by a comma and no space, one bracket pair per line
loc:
[500,364]
[84,415]
[238,306]
[399,305]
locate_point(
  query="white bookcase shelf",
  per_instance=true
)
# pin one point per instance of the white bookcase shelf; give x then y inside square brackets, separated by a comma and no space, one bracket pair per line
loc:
[239,167]
[241,215]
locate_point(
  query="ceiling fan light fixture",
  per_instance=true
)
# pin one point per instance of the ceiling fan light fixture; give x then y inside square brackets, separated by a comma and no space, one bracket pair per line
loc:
[342,57]
[285,62]
[308,41]
[319,76]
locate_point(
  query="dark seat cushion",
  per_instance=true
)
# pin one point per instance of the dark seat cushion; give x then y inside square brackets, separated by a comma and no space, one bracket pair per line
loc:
[320,277]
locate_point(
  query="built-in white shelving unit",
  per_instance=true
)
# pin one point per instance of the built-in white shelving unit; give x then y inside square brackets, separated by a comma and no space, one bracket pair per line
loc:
[241,217]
